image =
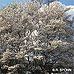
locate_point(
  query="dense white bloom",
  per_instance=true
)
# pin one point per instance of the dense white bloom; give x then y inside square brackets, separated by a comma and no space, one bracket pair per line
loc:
[56,3]
[43,8]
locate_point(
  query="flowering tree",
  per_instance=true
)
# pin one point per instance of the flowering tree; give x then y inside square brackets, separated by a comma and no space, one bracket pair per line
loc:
[45,1]
[30,37]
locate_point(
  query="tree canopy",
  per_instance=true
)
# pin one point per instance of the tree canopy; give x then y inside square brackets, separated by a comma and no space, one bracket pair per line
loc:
[34,40]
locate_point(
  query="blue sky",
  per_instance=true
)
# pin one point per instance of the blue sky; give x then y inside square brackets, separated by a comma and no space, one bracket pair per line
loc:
[67,2]
[7,2]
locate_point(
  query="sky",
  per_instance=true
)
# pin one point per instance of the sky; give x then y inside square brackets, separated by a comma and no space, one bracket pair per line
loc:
[7,2]
[67,2]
